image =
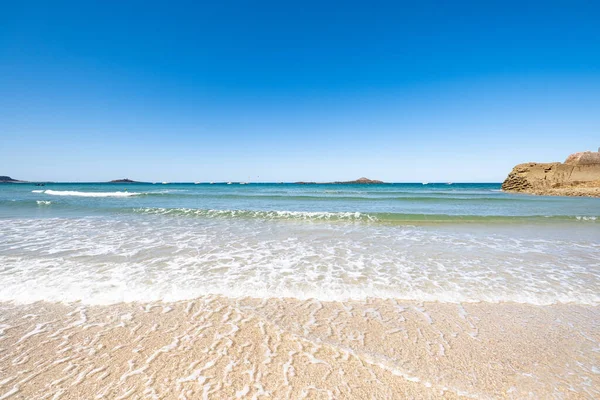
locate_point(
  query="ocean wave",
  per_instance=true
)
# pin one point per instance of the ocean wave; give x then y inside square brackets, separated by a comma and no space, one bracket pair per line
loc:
[43,202]
[86,194]
[302,215]
[385,218]
[332,197]
[579,218]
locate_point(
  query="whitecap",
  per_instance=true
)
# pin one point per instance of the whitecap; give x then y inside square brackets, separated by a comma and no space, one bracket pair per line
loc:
[88,194]
[274,214]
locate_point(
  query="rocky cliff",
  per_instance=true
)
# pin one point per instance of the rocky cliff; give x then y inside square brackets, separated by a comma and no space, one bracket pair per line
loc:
[579,175]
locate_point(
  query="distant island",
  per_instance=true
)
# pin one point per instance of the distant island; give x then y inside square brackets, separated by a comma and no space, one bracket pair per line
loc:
[123,181]
[363,181]
[579,175]
[8,179]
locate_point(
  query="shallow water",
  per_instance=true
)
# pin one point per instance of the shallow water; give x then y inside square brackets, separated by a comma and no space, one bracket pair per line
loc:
[106,243]
[220,347]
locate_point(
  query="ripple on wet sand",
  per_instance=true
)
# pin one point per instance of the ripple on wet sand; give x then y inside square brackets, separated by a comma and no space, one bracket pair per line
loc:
[217,347]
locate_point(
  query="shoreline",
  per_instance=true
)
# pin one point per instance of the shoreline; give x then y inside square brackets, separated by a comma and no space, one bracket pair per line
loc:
[286,348]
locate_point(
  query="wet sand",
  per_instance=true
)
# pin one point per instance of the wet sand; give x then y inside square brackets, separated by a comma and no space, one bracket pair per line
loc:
[216,347]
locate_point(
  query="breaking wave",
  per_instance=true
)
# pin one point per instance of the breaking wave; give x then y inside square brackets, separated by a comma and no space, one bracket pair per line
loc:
[358,216]
[301,215]
[86,194]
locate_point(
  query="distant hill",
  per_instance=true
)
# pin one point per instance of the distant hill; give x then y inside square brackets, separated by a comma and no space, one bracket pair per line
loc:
[365,181]
[123,181]
[362,181]
[8,179]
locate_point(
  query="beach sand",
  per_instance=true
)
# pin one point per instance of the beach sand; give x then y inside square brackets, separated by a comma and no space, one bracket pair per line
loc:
[217,347]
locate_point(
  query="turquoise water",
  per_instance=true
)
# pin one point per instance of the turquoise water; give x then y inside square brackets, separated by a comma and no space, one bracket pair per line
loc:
[105,243]
[385,203]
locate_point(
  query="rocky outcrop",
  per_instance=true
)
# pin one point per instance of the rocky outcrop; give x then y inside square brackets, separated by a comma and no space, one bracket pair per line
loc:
[579,175]
[583,158]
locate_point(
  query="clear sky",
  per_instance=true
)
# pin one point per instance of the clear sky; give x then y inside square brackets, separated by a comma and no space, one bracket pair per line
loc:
[304,90]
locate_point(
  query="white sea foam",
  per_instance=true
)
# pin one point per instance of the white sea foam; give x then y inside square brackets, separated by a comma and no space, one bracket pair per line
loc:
[274,214]
[86,194]
[43,202]
[98,261]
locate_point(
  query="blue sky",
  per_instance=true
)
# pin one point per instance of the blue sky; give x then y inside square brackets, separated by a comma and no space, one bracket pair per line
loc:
[285,91]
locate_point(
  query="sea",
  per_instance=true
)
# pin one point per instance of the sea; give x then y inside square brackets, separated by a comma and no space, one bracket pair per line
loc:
[106,243]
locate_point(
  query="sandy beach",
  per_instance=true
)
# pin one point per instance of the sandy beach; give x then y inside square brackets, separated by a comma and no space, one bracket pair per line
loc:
[299,200]
[217,347]
[399,291]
